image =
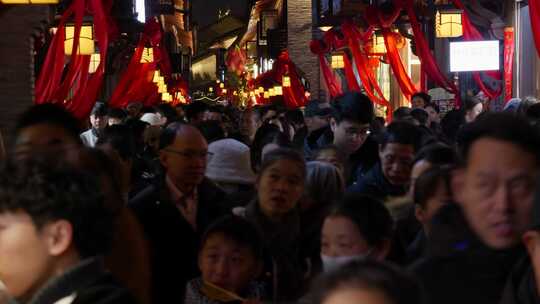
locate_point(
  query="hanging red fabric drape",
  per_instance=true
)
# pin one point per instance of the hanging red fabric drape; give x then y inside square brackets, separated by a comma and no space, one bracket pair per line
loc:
[369,82]
[349,74]
[392,52]
[378,18]
[429,64]
[534,13]
[55,85]
[136,82]
[319,48]
[470,33]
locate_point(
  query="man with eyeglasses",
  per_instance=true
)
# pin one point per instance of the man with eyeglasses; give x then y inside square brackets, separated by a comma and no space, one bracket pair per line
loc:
[475,243]
[349,130]
[176,209]
[390,177]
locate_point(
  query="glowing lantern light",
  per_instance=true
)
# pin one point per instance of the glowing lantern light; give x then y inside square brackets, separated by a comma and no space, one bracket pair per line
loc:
[448,23]
[95,59]
[266,95]
[378,44]
[86,40]
[221,85]
[271,92]
[210,89]
[147,55]
[337,61]
[286,81]
[279,90]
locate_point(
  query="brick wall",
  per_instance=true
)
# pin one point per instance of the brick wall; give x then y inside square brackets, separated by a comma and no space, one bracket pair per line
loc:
[299,18]
[16,61]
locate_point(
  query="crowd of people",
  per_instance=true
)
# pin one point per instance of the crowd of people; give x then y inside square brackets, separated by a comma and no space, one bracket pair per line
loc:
[330,204]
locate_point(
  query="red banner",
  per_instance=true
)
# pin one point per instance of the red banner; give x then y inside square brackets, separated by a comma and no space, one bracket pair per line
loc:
[509,49]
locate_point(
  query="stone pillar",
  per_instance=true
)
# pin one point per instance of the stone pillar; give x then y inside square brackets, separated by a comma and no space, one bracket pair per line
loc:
[17,62]
[300,27]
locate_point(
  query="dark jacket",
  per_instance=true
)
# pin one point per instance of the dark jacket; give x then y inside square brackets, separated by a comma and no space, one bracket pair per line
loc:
[459,268]
[376,185]
[88,282]
[521,285]
[358,163]
[282,272]
[174,243]
[418,248]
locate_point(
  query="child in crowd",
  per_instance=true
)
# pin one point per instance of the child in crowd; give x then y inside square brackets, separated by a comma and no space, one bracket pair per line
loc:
[230,260]
[357,228]
[368,282]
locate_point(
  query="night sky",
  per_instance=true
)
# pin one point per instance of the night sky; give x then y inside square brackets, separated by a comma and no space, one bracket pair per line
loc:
[205,12]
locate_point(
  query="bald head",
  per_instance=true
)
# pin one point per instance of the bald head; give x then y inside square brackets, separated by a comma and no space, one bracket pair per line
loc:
[183,154]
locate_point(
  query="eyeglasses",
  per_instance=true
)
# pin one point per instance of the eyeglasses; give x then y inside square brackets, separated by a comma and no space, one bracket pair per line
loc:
[357,132]
[191,154]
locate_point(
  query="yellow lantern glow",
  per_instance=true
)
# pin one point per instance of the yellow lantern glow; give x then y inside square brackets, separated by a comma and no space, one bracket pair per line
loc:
[286,81]
[95,59]
[448,23]
[271,92]
[378,44]
[155,79]
[162,88]
[147,55]
[266,95]
[221,85]
[278,90]
[235,93]
[224,91]
[337,61]
[261,91]
[86,40]
[29,1]
[210,89]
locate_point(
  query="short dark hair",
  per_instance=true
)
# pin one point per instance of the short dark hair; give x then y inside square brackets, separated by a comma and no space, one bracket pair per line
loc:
[369,215]
[396,284]
[353,106]
[425,96]
[295,117]
[121,139]
[401,133]
[211,130]
[266,134]
[166,110]
[169,134]
[99,109]
[117,113]
[401,113]
[48,192]
[50,114]
[283,154]
[470,103]
[194,109]
[434,106]
[340,155]
[426,184]
[501,126]
[240,231]
[420,115]
[437,154]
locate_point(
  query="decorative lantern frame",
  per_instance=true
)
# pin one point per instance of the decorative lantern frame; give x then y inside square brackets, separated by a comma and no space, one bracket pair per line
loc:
[337,61]
[86,39]
[379,46]
[448,22]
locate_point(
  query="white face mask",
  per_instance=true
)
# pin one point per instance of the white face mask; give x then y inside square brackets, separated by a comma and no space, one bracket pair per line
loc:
[334,263]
